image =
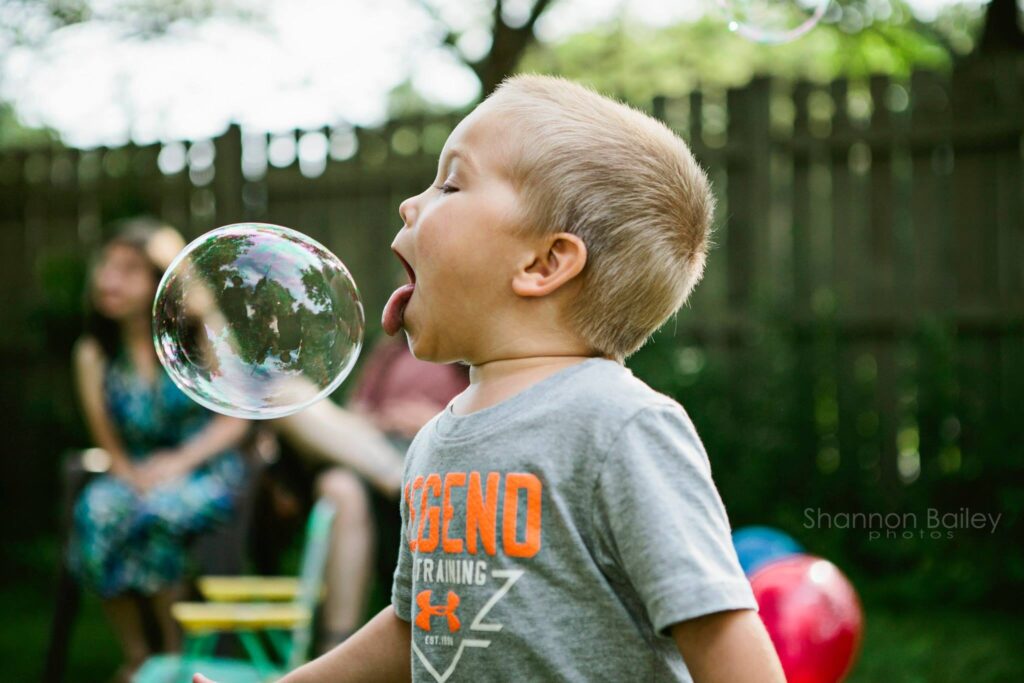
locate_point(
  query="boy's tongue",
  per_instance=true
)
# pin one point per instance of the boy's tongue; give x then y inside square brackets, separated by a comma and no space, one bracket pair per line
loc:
[394,311]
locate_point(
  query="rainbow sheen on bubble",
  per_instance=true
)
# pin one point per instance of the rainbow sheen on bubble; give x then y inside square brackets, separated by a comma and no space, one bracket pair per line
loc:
[773,21]
[257,321]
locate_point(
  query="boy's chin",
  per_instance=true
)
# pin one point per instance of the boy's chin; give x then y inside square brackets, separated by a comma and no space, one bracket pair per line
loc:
[424,348]
[416,343]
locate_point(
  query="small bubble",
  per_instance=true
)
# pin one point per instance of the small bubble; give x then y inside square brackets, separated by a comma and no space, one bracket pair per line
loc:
[773,21]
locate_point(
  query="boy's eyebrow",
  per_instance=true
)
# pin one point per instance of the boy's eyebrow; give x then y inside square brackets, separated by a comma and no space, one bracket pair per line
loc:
[456,153]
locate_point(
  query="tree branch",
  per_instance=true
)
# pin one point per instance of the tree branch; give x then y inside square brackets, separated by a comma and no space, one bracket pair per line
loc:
[535,12]
[1002,32]
[451,38]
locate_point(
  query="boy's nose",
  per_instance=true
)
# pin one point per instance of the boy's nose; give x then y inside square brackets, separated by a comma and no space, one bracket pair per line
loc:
[407,210]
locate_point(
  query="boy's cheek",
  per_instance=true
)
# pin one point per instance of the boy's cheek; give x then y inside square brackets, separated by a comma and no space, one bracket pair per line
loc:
[433,246]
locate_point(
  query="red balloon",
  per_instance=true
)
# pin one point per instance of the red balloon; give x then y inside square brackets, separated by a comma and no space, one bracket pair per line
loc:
[813,616]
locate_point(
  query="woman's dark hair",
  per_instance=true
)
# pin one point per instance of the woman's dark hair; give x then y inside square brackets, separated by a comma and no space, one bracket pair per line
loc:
[138,234]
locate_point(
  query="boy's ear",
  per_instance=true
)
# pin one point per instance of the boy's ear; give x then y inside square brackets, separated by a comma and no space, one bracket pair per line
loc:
[558,260]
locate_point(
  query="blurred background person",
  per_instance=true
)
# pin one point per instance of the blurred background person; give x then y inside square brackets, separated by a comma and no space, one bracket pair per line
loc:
[356,454]
[175,468]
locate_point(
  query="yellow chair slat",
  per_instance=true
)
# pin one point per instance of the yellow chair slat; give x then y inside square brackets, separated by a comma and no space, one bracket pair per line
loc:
[225,616]
[249,588]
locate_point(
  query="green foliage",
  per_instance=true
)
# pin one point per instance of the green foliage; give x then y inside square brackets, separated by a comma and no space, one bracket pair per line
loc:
[404,101]
[57,316]
[637,62]
[795,421]
[32,22]
[13,134]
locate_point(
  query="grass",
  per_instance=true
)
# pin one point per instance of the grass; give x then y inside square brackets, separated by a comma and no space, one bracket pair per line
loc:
[24,629]
[939,645]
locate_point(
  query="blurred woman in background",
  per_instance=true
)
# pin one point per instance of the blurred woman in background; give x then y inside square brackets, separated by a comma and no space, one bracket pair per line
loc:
[175,468]
[359,451]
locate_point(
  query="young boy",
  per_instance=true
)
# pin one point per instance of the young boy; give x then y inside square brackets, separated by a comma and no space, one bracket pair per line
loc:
[560,519]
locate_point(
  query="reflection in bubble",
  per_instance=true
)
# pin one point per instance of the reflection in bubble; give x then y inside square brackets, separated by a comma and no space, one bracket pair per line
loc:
[257,321]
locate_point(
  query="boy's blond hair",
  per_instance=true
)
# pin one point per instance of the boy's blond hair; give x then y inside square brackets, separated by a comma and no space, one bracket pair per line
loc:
[626,185]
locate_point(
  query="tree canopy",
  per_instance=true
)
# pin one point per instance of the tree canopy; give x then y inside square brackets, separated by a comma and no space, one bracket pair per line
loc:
[637,62]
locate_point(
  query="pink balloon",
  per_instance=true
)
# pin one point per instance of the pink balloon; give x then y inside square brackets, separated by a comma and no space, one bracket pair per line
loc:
[813,616]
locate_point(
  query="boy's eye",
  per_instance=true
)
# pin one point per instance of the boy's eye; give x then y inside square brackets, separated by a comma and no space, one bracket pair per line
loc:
[447,188]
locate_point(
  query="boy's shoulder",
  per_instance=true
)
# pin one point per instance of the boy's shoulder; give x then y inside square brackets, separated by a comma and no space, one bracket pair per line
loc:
[610,391]
[604,404]
[586,406]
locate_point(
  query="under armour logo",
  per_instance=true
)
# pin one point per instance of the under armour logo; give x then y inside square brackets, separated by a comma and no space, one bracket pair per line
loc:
[427,610]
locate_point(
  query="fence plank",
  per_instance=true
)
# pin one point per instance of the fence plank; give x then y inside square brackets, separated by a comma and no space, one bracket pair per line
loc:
[748,188]
[228,176]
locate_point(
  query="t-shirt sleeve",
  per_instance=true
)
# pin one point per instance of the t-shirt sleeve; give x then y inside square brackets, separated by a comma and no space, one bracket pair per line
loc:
[401,586]
[660,520]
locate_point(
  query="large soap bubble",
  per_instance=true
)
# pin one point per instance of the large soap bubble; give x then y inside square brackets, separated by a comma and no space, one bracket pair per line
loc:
[257,321]
[773,21]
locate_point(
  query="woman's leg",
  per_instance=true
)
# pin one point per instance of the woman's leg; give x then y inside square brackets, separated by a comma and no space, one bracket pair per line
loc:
[162,600]
[171,515]
[350,561]
[123,614]
[102,526]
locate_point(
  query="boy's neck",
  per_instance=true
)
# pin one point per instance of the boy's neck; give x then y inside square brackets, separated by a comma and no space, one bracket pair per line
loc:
[492,382]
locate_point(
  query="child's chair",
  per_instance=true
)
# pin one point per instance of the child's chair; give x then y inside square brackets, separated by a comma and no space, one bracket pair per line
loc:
[283,617]
[219,550]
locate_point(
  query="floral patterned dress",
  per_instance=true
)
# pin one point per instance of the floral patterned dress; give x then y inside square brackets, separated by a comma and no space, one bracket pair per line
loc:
[125,541]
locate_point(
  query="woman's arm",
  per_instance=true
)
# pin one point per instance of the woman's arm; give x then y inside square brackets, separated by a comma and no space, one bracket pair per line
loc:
[728,647]
[89,367]
[326,431]
[219,434]
[405,416]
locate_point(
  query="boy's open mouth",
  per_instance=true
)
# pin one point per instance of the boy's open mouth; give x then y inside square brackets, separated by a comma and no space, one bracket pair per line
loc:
[393,317]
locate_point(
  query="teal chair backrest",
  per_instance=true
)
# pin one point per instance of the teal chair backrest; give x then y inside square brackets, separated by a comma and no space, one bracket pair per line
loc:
[311,575]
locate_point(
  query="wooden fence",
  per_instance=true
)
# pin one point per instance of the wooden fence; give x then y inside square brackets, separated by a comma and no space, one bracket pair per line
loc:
[854,214]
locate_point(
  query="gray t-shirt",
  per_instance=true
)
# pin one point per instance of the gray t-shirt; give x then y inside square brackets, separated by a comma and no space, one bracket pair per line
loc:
[557,535]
